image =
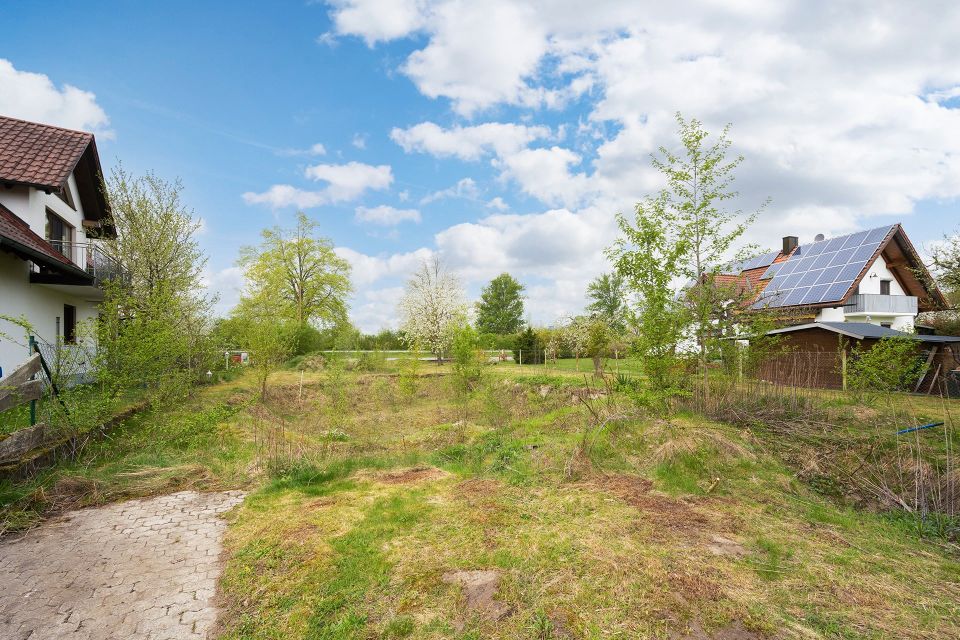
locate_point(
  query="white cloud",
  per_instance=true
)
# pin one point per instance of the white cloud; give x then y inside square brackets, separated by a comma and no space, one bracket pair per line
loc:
[33,96]
[365,269]
[386,215]
[545,174]
[344,182]
[465,188]
[313,150]
[347,181]
[498,204]
[226,286]
[467,143]
[377,20]
[284,195]
[359,140]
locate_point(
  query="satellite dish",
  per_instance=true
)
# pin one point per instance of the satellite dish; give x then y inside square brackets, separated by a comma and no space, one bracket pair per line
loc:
[819,237]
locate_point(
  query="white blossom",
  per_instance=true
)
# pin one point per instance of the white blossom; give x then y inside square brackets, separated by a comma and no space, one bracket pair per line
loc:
[432,307]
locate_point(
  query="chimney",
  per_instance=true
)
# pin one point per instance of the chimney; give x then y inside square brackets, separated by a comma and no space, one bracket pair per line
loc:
[789,244]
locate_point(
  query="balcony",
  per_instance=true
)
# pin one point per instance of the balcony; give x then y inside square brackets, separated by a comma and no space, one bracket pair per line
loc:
[877,304]
[92,267]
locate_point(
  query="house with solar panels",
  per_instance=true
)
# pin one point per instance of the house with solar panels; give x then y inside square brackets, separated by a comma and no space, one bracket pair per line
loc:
[850,290]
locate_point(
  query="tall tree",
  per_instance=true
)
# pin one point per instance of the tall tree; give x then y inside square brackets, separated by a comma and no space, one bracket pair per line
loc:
[300,272]
[432,308]
[609,300]
[500,309]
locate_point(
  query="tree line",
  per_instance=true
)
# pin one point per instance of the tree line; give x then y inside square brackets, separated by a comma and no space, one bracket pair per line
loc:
[157,331]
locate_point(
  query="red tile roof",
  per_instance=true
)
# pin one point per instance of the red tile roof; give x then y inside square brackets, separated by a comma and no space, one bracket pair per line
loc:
[40,155]
[16,234]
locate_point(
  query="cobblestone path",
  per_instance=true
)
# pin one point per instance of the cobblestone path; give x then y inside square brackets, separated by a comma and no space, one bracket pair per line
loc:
[137,569]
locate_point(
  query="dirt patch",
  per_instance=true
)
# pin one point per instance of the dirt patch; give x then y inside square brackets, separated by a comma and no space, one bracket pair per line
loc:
[480,590]
[408,476]
[670,515]
[721,546]
[320,503]
[735,631]
[691,586]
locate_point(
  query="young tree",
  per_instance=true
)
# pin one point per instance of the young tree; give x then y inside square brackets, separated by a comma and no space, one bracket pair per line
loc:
[576,333]
[299,268]
[271,340]
[155,319]
[598,343]
[500,309]
[648,259]
[432,308]
[688,224]
[609,300]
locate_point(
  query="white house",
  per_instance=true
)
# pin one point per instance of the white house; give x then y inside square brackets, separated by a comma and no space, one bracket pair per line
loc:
[52,209]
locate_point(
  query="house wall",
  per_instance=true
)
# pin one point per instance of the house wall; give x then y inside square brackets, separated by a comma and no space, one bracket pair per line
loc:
[40,305]
[30,205]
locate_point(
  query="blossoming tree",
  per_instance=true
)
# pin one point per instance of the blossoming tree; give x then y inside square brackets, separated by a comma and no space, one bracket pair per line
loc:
[433,306]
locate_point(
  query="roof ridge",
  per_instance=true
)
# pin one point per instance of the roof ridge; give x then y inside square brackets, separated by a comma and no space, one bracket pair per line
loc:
[48,126]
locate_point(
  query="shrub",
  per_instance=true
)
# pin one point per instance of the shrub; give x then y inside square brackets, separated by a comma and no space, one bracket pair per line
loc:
[529,345]
[892,364]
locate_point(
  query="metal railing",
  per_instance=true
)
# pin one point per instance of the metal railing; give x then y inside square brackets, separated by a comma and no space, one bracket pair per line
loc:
[90,257]
[877,303]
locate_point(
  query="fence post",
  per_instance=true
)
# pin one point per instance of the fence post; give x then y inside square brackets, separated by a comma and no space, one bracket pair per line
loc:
[521,355]
[544,359]
[843,367]
[33,403]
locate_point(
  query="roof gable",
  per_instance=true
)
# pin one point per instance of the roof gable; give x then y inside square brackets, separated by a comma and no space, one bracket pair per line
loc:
[43,156]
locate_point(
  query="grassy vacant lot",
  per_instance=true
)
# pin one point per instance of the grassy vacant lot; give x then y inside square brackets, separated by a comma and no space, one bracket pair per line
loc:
[370,490]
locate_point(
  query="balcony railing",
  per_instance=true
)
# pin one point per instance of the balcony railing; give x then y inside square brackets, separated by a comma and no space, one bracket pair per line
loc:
[881,304]
[90,257]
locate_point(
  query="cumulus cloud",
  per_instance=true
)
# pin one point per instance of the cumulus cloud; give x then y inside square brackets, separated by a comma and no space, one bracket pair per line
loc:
[467,142]
[385,215]
[33,96]
[465,188]
[545,174]
[344,182]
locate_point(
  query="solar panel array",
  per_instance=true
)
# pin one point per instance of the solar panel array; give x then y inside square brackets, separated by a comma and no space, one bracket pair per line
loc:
[820,272]
[764,260]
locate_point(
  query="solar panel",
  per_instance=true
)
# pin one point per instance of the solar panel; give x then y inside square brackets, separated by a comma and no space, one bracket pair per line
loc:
[763,260]
[820,271]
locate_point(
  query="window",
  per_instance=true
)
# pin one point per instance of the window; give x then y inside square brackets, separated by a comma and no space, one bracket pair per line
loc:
[59,233]
[884,287]
[887,325]
[69,324]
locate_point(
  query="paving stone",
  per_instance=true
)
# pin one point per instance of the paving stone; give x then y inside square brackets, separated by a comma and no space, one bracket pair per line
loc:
[135,569]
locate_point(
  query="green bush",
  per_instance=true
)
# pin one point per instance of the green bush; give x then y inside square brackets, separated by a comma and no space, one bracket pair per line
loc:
[891,364]
[528,344]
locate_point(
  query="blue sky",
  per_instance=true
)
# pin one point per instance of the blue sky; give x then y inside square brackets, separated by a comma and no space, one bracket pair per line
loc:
[502,135]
